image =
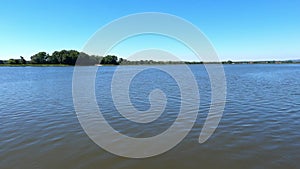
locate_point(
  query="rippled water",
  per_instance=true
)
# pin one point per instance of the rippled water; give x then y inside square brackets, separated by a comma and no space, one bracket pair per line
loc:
[260,127]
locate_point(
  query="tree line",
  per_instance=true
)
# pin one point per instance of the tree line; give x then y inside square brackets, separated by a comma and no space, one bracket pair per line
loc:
[66,57]
[72,57]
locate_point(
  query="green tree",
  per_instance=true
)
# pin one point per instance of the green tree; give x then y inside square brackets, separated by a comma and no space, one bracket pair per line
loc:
[98,58]
[13,61]
[85,59]
[64,57]
[70,57]
[110,59]
[229,62]
[52,59]
[58,56]
[39,58]
[120,60]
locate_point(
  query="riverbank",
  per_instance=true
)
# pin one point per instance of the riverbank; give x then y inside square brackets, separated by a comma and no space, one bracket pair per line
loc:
[65,65]
[34,65]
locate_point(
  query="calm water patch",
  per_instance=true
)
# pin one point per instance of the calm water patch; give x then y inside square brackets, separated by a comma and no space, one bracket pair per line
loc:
[260,127]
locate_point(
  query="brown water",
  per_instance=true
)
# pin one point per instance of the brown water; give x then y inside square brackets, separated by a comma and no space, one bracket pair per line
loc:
[260,127]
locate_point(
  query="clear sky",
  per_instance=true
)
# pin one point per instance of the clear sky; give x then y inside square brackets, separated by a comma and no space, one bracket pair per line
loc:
[239,30]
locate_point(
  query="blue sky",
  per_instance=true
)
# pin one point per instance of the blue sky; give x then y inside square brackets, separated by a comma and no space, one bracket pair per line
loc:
[239,30]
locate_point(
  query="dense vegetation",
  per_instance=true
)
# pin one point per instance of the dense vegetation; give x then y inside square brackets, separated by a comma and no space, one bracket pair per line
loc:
[72,57]
[65,57]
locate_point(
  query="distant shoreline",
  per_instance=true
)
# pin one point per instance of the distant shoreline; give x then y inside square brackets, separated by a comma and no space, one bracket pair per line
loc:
[34,65]
[65,65]
[71,57]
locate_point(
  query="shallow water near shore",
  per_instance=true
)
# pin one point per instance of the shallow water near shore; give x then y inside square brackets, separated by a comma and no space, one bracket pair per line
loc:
[260,127]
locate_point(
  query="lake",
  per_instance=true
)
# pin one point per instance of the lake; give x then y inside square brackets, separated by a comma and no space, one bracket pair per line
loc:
[260,127]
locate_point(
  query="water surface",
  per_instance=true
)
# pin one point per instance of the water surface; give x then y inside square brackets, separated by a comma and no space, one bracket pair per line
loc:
[260,127]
